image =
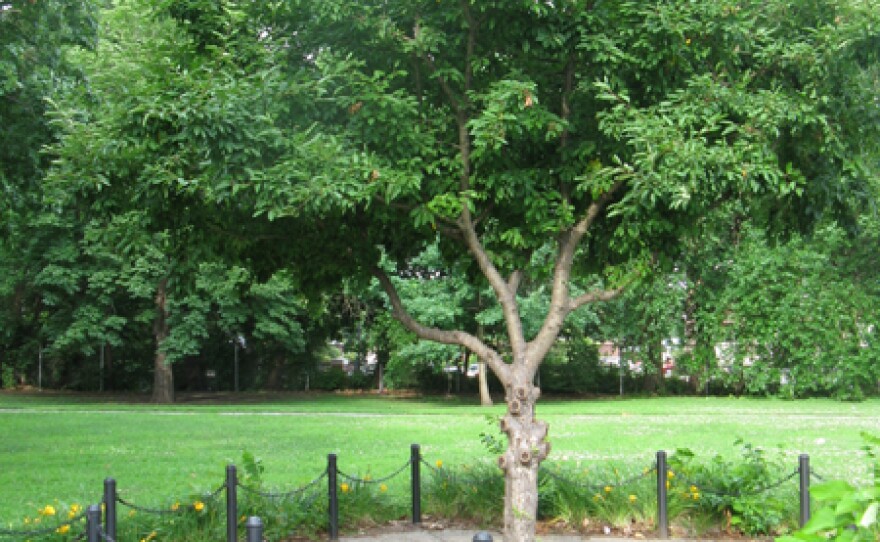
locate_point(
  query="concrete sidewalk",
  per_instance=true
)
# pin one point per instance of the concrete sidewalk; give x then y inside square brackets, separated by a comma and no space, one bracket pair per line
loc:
[457,535]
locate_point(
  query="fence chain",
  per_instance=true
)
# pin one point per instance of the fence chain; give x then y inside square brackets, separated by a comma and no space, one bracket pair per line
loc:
[285,495]
[817,476]
[157,511]
[43,530]
[598,487]
[357,480]
[738,494]
[430,466]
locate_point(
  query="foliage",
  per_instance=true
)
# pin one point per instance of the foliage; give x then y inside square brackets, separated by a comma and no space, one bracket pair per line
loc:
[846,512]
[740,492]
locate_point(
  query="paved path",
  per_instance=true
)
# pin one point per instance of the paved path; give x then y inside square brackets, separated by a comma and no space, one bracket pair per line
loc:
[456,535]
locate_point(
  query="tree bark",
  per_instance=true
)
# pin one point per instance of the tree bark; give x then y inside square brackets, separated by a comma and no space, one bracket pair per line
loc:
[485,397]
[527,447]
[163,376]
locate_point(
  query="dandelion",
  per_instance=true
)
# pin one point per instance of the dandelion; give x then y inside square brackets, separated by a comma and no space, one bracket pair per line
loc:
[383,488]
[63,529]
[668,485]
[198,506]
[608,489]
[687,41]
[633,498]
[696,495]
[27,521]
[74,510]
[670,475]
[367,478]
[344,487]
[48,510]
[597,497]
[694,489]
[439,463]
[175,507]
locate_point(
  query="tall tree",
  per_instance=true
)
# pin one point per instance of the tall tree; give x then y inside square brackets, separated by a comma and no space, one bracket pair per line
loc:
[576,143]
[34,38]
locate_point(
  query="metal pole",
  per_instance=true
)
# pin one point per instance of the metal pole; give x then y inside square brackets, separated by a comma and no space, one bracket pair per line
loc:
[334,498]
[231,504]
[110,508]
[416,483]
[235,341]
[40,370]
[662,511]
[101,379]
[93,523]
[804,470]
[254,528]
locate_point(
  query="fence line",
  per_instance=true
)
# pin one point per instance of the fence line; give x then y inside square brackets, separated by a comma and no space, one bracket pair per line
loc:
[96,530]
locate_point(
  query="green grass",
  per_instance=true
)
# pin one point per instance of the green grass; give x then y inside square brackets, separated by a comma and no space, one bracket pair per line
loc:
[60,448]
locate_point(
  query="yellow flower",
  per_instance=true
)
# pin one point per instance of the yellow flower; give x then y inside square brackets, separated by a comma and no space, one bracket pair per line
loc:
[668,485]
[670,475]
[27,521]
[63,529]
[383,488]
[694,489]
[439,464]
[49,510]
[198,506]
[597,497]
[367,478]
[74,510]
[344,487]
[696,495]
[687,41]
[175,507]
[608,489]
[633,498]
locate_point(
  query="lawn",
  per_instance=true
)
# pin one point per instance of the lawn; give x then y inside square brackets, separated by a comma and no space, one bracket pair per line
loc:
[60,448]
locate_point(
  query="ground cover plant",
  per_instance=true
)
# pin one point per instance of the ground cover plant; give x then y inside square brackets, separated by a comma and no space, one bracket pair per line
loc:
[57,450]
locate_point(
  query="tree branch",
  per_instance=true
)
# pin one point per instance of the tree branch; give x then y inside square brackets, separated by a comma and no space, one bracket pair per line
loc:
[459,338]
[560,303]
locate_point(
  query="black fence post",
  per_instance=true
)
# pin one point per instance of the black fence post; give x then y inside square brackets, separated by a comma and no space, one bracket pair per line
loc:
[231,504]
[662,510]
[254,528]
[93,523]
[110,508]
[804,470]
[416,483]
[334,497]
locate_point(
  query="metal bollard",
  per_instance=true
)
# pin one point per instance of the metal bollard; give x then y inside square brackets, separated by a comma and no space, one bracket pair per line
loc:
[110,508]
[416,483]
[93,523]
[231,504]
[254,528]
[662,510]
[482,536]
[333,496]
[804,471]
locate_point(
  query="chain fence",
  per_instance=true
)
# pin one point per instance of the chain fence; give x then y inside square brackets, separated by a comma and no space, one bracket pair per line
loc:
[310,492]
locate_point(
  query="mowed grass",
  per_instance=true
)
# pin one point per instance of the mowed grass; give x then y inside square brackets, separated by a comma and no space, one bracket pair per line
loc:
[60,448]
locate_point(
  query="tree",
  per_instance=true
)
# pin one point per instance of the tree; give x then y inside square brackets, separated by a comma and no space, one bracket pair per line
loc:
[34,37]
[575,143]
[160,112]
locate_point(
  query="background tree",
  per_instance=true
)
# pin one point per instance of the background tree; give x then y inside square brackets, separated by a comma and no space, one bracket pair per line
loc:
[573,143]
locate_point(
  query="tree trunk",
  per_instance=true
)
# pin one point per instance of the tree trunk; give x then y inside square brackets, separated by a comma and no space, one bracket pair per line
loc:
[485,398]
[526,449]
[163,377]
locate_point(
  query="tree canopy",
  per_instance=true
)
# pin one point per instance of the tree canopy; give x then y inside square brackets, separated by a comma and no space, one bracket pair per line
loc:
[556,153]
